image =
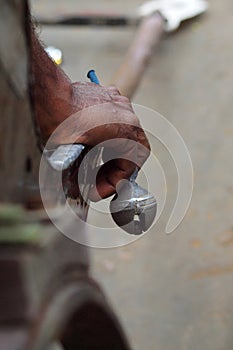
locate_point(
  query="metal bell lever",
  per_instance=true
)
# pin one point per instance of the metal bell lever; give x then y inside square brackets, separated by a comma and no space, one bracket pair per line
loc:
[133,208]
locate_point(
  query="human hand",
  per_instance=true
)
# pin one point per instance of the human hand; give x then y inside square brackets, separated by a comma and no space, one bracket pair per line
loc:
[95,114]
[101,114]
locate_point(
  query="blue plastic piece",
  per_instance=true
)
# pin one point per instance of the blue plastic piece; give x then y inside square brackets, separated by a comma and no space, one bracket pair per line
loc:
[93,77]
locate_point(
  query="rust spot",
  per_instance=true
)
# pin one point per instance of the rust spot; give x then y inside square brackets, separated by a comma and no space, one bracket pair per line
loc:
[228,131]
[125,255]
[212,272]
[196,243]
[210,216]
[226,238]
[191,213]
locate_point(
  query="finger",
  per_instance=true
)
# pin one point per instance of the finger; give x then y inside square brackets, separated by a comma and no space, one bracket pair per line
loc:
[117,97]
[122,99]
[144,149]
[133,146]
[112,90]
[109,118]
[109,175]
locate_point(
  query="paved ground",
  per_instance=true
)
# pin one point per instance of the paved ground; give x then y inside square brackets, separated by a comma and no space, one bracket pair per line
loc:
[173,292]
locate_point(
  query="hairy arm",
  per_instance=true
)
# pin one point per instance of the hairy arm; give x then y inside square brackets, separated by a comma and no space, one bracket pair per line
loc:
[52,89]
[112,117]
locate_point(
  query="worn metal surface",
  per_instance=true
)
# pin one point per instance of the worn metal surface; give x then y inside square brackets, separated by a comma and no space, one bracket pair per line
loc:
[130,73]
[78,317]
[46,295]
[174,292]
[19,156]
[34,260]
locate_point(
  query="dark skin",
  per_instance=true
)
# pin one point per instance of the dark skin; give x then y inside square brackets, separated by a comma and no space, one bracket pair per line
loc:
[57,98]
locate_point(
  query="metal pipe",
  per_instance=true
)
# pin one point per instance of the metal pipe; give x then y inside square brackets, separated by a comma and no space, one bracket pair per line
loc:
[129,74]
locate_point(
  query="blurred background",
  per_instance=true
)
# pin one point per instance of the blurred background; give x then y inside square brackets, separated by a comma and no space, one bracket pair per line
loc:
[170,291]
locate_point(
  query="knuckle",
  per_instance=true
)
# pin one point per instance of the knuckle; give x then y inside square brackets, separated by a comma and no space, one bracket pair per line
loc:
[113,90]
[123,99]
[135,120]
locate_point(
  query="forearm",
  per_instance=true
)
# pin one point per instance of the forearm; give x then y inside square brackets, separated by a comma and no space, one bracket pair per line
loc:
[52,89]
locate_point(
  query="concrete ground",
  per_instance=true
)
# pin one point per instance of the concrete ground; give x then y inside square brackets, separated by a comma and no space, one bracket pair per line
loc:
[172,292]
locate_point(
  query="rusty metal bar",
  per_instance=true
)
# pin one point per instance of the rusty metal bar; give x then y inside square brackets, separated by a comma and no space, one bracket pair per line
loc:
[130,72]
